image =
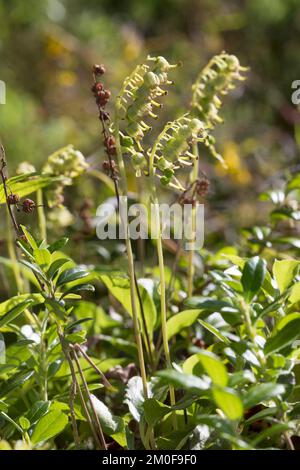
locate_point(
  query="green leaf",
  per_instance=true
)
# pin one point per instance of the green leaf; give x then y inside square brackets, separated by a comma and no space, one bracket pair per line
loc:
[79,288]
[214,331]
[34,268]
[101,321]
[134,397]
[154,411]
[284,272]
[181,320]
[119,287]
[229,402]
[55,266]
[42,257]
[294,296]
[77,322]
[15,382]
[287,330]
[58,245]
[261,392]
[15,312]
[112,425]
[3,406]
[38,409]
[275,429]
[188,382]
[51,424]
[30,238]
[24,188]
[211,365]
[253,275]
[72,274]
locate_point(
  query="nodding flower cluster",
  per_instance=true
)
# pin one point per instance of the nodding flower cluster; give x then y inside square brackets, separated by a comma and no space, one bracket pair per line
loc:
[26,206]
[195,192]
[171,150]
[102,97]
[139,93]
[216,79]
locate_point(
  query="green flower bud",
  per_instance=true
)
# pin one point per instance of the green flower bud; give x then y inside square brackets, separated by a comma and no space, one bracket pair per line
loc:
[151,80]
[162,64]
[127,141]
[138,160]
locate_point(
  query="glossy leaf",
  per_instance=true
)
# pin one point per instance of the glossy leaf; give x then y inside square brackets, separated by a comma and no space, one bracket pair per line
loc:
[51,424]
[253,275]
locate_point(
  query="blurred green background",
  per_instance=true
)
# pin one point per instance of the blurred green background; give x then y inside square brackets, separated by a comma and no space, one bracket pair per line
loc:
[47,48]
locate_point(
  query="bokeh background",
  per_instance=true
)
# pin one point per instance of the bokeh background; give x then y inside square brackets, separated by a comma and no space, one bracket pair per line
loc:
[47,48]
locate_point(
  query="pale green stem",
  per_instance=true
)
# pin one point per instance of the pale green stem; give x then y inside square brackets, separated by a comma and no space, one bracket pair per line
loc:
[191,267]
[41,215]
[161,273]
[136,323]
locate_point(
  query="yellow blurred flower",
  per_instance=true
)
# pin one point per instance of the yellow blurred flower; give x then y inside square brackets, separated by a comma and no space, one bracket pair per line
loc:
[235,167]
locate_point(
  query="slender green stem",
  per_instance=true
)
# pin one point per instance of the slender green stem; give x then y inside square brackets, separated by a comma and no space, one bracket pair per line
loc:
[191,267]
[136,323]
[161,272]
[41,215]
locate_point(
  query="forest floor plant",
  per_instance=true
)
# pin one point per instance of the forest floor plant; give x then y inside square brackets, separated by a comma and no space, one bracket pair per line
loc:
[217,354]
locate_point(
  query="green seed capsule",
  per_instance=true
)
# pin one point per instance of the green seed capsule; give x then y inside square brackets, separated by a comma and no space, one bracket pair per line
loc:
[127,141]
[168,173]
[165,180]
[138,160]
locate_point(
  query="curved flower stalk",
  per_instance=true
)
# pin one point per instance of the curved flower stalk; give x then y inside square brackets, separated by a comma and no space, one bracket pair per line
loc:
[217,78]
[136,102]
[172,149]
[137,99]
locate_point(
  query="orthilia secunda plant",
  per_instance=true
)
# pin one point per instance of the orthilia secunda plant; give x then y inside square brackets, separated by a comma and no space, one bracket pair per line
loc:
[176,147]
[219,76]
[137,103]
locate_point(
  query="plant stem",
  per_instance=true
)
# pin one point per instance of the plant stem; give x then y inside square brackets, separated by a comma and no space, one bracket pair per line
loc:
[136,323]
[91,362]
[161,273]
[41,215]
[102,439]
[191,267]
[13,258]
[72,396]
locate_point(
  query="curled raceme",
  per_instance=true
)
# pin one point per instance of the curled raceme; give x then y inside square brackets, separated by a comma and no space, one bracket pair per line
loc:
[216,79]
[138,97]
[171,151]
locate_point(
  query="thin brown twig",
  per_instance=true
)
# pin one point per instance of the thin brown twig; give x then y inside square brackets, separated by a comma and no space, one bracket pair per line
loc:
[101,435]
[87,414]
[72,396]
[75,384]
[91,362]
[3,170]
[105,135]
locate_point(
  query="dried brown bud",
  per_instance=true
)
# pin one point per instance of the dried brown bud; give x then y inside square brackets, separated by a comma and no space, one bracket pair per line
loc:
[13,199]
[97,87]
[104,115]
[28,206]
[202,187]
[110,145]
[102,97]
[99,69]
